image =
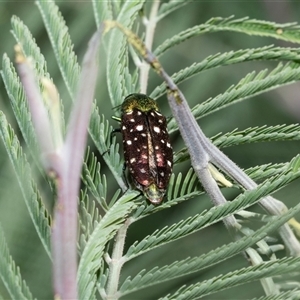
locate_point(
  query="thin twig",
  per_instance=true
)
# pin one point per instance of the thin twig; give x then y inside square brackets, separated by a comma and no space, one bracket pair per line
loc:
[116,262]
[150,29]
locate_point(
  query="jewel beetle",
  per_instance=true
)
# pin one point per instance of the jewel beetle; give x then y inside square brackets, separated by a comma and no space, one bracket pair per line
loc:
[148,152]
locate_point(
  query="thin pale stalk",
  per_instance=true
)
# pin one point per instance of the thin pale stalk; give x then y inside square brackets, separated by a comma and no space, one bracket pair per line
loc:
[64,233]
[150,29]
[199,158]
[38,111]
[116,263]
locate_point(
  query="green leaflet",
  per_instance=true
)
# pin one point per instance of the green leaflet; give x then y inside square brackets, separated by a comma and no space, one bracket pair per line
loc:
[32,198]
[10,273]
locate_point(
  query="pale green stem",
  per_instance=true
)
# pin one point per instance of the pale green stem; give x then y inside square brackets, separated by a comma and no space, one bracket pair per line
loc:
[116,263]
[150,29]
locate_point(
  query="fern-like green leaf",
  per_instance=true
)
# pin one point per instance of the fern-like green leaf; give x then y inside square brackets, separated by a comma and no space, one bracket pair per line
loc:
[89,219]
[92,179]
[118,77]
[24,37]
[266,171]
[222,282]
[102,11]
[215,214]
[288,32]
[19,104]
[92,255]
[291,295]
[10,274]
[100,131]
[167,8]
[250,85]
[29,190]
[256,134]
[182,188]
[189,265]
[61,44]
[229,58]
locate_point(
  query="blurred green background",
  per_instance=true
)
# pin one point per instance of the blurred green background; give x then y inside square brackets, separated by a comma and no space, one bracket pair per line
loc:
[276,107]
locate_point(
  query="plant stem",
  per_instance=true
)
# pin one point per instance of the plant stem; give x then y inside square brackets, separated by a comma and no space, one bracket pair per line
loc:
[150,29]
[64,237]
[116,262]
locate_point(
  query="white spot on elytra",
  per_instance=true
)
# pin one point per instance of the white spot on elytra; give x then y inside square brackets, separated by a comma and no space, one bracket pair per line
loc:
[135,139]
[143,134]
[158,157]
[132,120]
[162,141]
[123,127]
[143,170]
[156,147]
[156,129]
[162,174]
[129,112]
[129,142]
[169,163]
[139,127]
[144,156]
[168,145]
[139,113]
[132,160]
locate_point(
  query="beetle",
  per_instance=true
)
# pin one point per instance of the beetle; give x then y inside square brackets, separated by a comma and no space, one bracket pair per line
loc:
[148,152]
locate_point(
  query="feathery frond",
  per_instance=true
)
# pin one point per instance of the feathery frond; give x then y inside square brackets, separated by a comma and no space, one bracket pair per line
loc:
[264,133]
[19,103]
[93,181]
[61,44]
[250,85]
[100,131]
[10,273]
[92,255]
[102,11]
[249,135]
[189,265]
[88,220]
[24,37]
[266,171]
[293,295]
[287,32]
[118,77]
[169,7]
[36,209]
[229,58]
[208,287]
